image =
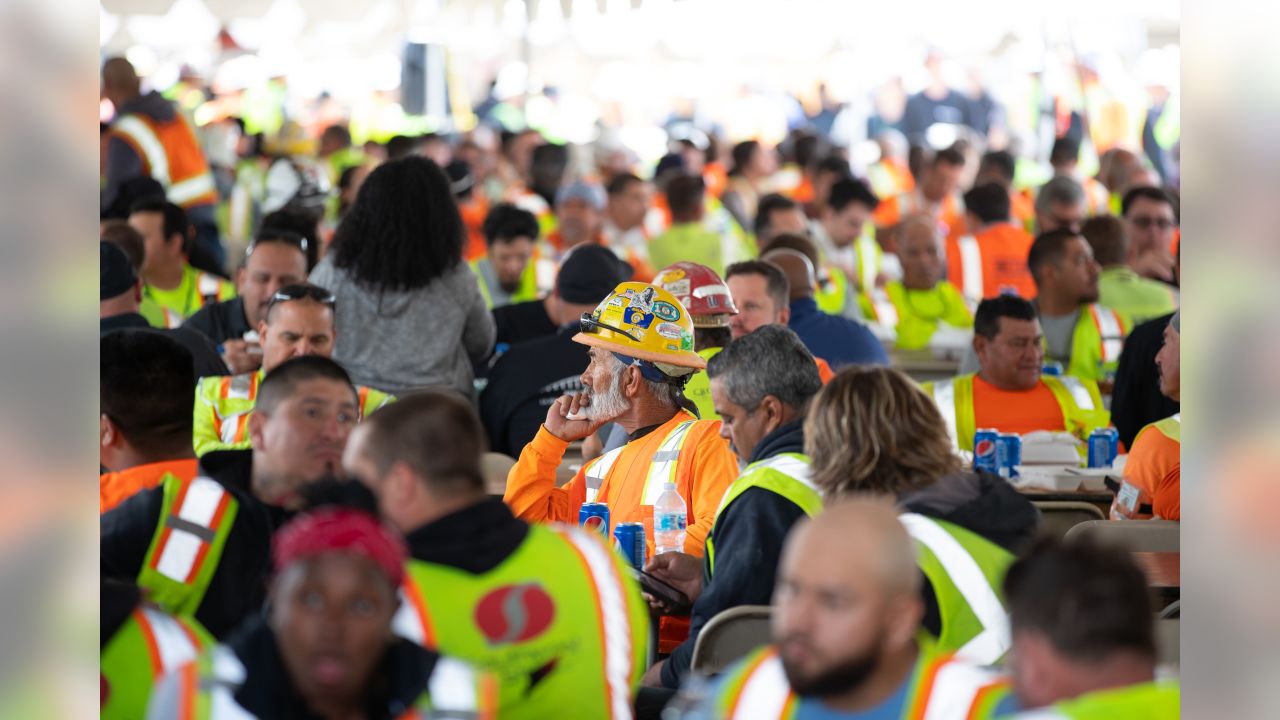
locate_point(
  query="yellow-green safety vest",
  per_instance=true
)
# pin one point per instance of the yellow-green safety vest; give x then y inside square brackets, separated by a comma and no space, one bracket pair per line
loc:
[169,309]
[224,404]
[698,389]
[527,290]
[1080,401]
[1159,700]
[941,686]
[196,518]
[560,623]
[150,644]
[787,474]
[1096,343]
[893,308]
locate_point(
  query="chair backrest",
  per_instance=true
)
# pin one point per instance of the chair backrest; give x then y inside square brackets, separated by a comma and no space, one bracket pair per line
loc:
[1059,516]
[730,636]
[1137,535]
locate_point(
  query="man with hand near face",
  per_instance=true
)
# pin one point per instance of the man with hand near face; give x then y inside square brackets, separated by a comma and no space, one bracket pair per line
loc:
[761,385]
[197,546]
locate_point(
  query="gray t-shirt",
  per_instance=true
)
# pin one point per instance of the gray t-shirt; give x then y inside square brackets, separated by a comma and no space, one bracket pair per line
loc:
[401,341]
[1058,331]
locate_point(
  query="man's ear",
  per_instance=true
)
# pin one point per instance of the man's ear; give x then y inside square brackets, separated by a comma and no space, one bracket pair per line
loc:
[771,406]
[784,316]
[980,345]
[630,382]
[108,434]
[137,291]
[257,428]
[262,330]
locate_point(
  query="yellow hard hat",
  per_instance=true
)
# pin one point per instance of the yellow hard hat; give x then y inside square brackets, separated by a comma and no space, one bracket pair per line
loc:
[644,322]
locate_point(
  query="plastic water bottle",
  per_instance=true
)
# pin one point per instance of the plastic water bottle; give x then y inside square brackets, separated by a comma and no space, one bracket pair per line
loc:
[669,517]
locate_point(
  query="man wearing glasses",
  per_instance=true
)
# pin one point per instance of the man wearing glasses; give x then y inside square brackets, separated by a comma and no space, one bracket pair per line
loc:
[297,320]
[1152,221]
[276,258]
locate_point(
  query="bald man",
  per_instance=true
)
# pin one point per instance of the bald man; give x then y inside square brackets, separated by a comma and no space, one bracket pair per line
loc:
[922,301]
[846,621]
[150,138]
[838,340]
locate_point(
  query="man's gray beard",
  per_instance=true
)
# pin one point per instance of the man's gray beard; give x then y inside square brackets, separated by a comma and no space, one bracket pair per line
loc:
[609,404]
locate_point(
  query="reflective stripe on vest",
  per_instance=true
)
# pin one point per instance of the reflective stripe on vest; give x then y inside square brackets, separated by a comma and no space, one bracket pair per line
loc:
[944,396]
[765,693]
[1109,332]
[797,488]
[793,467]
[1171,427]
[191,189]
[453,687]
[144,139]
[240,387]
[172,319]
[971,266]
[169,643]
[1079,393]
[957,685]
[596,471]
[207,286]
[191,528]
[867,251]
[412,621]
[615,620]
[662,468]
[207,687]
[886,313]
[994,641]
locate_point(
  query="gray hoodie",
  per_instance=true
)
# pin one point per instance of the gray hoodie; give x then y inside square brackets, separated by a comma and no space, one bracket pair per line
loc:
[401,341]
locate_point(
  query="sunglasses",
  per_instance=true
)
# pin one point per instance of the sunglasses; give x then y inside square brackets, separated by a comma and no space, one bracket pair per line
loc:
[591,326]
[303,292]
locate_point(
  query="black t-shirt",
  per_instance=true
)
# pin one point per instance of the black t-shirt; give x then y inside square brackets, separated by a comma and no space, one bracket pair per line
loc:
[523,384]
[1137,401]
[220,321]
[522,322]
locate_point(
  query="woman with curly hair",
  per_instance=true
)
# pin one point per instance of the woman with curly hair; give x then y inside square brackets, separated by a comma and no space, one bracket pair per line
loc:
[872,432]
[409,313]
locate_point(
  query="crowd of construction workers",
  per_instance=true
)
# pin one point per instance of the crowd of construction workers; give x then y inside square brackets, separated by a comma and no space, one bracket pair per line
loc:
[356,399]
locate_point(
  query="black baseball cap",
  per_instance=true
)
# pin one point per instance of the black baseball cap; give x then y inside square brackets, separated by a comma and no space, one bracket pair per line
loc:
[116,274]
[589,273]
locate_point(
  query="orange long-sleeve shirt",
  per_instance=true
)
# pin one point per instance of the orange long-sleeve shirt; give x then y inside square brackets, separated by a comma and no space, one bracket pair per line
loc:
[1155,468]
[704,471]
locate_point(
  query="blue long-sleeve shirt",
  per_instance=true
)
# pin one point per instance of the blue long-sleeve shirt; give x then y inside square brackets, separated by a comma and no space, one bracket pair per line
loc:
[838,340]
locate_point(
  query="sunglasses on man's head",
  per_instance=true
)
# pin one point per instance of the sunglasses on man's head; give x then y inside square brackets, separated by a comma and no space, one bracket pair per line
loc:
[280,236]
[303,292]
[591,326]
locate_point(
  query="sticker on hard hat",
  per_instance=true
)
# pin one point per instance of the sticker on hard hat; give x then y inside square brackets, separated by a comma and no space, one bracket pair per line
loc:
[679,288]
[670,331]
[637,317]
[666,311]
[668,276]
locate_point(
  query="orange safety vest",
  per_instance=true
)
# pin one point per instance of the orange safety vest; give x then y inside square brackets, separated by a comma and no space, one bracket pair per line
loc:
[893,210]
[994,259]
[473,214]
[171,155]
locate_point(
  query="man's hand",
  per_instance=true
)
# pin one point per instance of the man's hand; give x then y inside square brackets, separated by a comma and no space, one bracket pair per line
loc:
[653,676]
[558,422]
[679,570]
[241,357]
[1156,264]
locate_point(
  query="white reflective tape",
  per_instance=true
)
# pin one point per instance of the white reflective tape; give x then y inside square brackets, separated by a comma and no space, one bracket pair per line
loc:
[172,319]
[190,189]
[227,429]
[240,386]
[993,642]
[1109,332]
[663,467]
[955,687]
[157,159]
[765,693]
[198,507]
[944,396]
[1079,393]
[544,274]
[228,675]
[798,470]
[616,621]
[207,285]
[453,686]
[1176,417]
[971,266]
[172,642]
[867,260]
[886,313]
[405,623]
[598,470]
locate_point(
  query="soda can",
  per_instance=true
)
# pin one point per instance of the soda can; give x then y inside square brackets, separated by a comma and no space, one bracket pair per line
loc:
[595,516]
[984,451]
[1052,368]
[1099,449]
[629,538]
[1008,454]
[1114,434]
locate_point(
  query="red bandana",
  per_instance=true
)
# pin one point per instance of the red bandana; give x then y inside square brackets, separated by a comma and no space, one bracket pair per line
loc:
[337,530]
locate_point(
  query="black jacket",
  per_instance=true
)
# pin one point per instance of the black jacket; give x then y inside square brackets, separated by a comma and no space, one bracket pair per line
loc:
[524,382]
[1137,401]
[220,321]
[982,503]
[475,539]
[748,538]
[268,691]
[238,586]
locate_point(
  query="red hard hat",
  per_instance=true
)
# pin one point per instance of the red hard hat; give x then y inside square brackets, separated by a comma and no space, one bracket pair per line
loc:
[700,290]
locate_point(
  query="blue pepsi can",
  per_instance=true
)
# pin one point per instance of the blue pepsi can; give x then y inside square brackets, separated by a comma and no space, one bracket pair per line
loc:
[629,538]
[1099,449]
[1114,434]
[984,451]
[1008,454]
[595,516]
[1052,368]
